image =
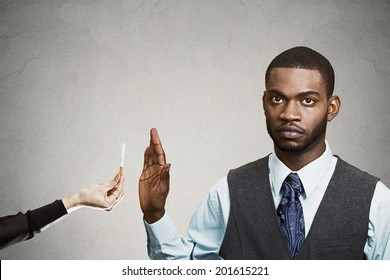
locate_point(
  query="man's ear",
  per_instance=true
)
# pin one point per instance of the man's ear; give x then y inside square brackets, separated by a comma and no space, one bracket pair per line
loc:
[264,97]
[334,104]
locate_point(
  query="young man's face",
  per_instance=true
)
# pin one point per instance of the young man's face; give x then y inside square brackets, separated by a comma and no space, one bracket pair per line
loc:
[296,108]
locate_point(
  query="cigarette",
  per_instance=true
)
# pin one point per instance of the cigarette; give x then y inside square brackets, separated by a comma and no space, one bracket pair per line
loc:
[122,159]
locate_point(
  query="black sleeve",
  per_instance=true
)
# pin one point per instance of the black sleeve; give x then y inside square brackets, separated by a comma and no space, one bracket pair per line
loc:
[20,227]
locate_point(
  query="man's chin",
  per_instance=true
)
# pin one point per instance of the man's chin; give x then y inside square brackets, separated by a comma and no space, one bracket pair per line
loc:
[292,148]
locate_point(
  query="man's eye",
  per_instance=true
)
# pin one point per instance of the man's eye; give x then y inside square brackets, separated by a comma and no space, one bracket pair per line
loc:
[277,99]
[308,101]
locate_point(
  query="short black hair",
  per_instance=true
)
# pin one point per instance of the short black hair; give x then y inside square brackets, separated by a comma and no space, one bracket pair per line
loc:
[305,58]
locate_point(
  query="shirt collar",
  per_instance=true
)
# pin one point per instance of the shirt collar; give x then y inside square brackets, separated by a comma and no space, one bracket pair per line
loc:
[310,175]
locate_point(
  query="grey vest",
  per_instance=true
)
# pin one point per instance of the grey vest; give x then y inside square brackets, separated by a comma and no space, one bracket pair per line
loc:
[339,229]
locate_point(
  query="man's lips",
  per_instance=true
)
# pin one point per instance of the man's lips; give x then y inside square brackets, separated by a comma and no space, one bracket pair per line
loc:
[290,131]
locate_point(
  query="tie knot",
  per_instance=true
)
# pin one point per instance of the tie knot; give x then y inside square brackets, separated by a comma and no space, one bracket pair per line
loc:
[292,186]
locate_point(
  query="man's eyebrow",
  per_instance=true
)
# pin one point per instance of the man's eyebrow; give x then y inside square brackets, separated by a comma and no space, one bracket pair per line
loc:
[301,94]
[275,92]
[310,92]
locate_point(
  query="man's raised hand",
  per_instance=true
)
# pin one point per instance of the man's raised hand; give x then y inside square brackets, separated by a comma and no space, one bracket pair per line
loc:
[154,180]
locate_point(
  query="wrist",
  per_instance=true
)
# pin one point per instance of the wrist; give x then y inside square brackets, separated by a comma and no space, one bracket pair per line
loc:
[153,216]
[71,201]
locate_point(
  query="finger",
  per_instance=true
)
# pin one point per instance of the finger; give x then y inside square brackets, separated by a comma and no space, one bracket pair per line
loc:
[158,151]
[114,199]
[116,179]
[118,186]
[149,156]
[154,137]
[117,193]
[110,187]
[106,187]
[146,157]
[122,180]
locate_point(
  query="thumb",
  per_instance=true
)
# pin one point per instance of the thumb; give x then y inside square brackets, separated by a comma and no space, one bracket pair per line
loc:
[114,182]
[164,175]
[111,186]
[116,179]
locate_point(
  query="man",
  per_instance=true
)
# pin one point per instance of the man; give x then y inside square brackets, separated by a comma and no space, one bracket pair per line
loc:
[21,227]
[300,202]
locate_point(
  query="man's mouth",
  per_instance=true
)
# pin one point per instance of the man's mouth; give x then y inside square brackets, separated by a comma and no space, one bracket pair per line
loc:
[290,131]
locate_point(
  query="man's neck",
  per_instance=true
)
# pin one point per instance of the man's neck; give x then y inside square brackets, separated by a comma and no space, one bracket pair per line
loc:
[296,161]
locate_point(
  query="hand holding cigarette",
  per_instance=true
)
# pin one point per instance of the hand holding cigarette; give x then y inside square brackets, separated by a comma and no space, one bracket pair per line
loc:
[102,196]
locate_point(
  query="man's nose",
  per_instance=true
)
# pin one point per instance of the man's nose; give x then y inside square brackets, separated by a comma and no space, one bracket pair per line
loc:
[291,112]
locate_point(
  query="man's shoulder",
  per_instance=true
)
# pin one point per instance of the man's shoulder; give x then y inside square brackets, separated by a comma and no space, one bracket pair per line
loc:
[352,172]
[253,166]
[252,174]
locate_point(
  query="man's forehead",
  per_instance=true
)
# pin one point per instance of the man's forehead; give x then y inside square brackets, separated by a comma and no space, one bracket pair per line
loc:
[297,70]
[279,74]
[295,79]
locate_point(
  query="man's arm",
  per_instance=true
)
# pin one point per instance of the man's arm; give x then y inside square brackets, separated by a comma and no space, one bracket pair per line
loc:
[205,231]
[208,224]
[378,242]
[164,242]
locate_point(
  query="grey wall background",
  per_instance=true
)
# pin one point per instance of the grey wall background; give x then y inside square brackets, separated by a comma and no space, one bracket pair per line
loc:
[78,78]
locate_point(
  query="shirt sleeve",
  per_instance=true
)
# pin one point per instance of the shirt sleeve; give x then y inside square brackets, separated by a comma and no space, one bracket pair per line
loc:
[20,227]
[206,230]
[378,241]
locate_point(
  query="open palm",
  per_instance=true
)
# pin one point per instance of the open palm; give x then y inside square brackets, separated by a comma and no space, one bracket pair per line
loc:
[154,180]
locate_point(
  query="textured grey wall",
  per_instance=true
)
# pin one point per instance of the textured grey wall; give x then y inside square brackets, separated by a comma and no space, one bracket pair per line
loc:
[78,78]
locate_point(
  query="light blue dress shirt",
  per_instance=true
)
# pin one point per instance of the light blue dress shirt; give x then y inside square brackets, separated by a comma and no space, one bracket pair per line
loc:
[207,227]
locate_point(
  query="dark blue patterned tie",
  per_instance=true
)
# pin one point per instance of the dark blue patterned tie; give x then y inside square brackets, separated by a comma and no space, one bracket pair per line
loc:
[290,213]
